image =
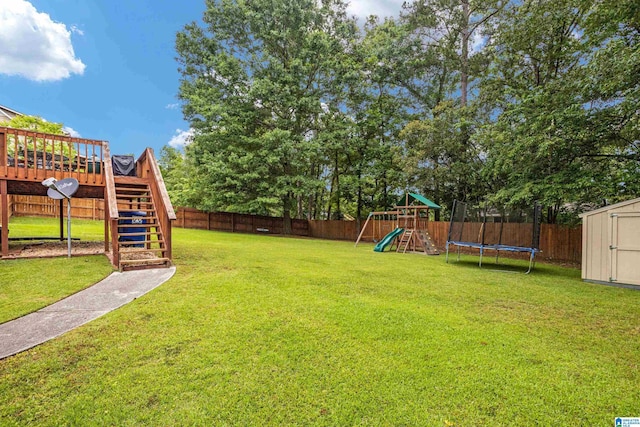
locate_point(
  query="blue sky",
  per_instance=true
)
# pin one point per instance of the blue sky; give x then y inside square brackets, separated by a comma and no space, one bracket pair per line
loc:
[105,68]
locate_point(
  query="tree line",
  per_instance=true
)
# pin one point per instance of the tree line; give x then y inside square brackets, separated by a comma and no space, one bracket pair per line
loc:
[299,111]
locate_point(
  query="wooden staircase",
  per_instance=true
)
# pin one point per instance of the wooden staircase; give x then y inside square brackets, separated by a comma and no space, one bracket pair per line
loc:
[138,216]
[141,241]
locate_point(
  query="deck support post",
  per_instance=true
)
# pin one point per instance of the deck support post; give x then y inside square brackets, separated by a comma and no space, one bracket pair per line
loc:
[4,204]
[106,220]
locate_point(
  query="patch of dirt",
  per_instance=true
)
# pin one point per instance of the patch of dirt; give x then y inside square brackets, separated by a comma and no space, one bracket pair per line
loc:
[127,254]
[38,249]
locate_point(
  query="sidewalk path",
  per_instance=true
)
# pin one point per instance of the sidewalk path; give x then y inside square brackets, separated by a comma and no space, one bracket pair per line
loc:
[115,291]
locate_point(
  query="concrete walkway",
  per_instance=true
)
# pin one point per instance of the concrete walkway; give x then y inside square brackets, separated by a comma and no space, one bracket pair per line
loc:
[115,291]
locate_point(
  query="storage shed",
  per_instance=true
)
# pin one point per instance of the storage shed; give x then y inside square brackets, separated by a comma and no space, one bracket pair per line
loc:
[611,244]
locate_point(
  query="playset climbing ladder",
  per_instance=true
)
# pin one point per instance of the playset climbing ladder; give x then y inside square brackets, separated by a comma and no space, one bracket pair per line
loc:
[405,240]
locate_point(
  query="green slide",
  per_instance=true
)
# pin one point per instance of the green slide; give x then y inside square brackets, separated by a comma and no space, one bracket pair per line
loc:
[388,239]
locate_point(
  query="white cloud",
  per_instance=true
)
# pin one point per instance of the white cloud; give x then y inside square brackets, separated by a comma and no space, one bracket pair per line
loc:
[172,106]
[382,8]
[76,30]
[181,138]
[72,132]
[33,46]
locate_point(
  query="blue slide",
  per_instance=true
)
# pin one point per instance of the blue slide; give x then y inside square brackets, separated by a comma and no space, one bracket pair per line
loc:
[388,239]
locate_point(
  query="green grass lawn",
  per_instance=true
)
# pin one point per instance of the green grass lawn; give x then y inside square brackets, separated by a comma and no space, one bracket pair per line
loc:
[28,285]
[259,330]
[83,229]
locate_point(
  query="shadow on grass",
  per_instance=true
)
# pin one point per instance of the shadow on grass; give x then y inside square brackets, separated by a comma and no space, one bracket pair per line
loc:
[511,266]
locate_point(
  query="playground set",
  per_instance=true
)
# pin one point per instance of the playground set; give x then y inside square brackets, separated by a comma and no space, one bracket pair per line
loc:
[409,234]
[469,228]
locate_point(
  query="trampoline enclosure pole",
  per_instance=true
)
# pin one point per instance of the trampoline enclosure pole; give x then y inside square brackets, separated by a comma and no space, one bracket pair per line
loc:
[533,254]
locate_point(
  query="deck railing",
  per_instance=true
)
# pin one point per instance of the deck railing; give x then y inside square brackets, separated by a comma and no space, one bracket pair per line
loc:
[34,156]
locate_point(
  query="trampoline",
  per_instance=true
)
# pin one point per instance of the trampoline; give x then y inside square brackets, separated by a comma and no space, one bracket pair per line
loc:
[469,228]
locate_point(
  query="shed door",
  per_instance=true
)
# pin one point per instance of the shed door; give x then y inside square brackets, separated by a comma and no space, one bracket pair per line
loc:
[625,248]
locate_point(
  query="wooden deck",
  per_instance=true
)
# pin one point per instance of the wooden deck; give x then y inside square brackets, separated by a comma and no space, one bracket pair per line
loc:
[32,156]
[27,158]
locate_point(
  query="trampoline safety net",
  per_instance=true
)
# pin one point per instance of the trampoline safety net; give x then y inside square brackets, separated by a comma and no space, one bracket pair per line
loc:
[490,226]
[484,227]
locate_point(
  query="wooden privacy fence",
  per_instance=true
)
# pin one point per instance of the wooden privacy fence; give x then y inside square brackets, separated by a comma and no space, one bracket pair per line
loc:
[233,222]
[556,242]
[47,207]
[333,229]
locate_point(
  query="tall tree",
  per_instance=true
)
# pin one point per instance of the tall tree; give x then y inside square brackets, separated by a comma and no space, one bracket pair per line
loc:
[611,85]
[176,174]
[253,82]
[538,148]
[443,159]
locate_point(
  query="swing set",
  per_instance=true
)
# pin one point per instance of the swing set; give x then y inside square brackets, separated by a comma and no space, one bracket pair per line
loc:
[405,227]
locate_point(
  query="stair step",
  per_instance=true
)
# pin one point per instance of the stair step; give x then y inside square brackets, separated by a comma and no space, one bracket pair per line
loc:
[146,233]
[138,242]
[143,261]
[147,224]
[130,200]
[146,218]
[156,245]
[138,250]
[128,180]
[142,264]
[131,189]
[130,208]
[131,194]
[122,202]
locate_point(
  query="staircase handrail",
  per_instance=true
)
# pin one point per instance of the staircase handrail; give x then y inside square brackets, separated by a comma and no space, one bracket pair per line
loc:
[110,188]
[111,208]
[147,167]
[148,157]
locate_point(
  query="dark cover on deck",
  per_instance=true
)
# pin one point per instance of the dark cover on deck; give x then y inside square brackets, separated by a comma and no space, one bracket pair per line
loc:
[123,165]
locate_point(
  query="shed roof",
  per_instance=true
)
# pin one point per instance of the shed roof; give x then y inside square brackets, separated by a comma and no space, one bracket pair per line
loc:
[609,207]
